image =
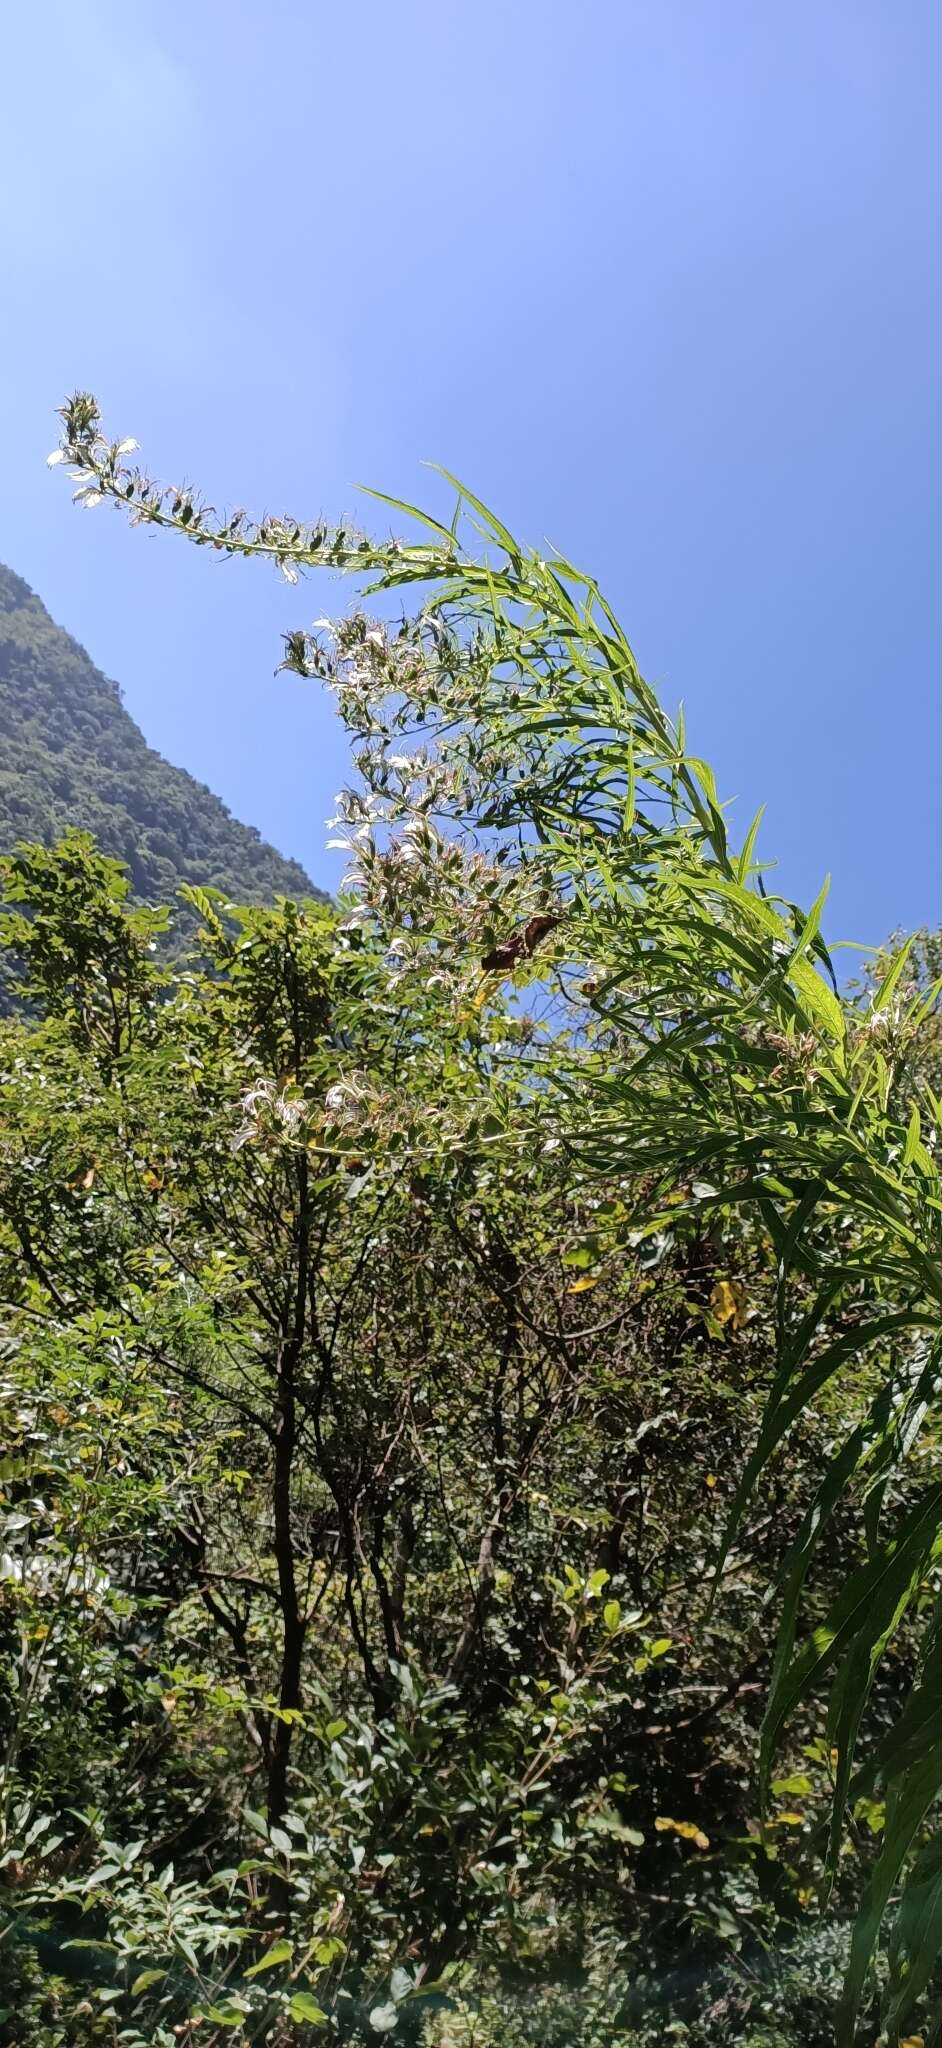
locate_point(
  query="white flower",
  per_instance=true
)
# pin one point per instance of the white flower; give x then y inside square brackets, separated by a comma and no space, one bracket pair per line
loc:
[58,455]
[263,1105]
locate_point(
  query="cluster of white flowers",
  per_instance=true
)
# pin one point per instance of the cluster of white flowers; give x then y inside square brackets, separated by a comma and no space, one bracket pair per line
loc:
[418,841]
[358,814]
[347,1102]
[888,1021]
[876,1024]
[360,915]
[88,491]
[47,1569]
[267,1110]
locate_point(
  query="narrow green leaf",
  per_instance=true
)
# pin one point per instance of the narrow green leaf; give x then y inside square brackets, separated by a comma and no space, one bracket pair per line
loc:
[916,1938]
[628,814]
[788,1401]
[861,1614]
[809,929]
[909,1810]
[891,979]
[744,863]
[412,512]
[912,1136]
[494,525]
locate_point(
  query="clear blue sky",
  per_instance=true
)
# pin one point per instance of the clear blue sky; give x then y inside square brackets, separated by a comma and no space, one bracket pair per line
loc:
[660,279]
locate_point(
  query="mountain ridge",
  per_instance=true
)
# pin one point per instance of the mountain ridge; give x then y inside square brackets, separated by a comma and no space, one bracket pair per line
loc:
[72,755]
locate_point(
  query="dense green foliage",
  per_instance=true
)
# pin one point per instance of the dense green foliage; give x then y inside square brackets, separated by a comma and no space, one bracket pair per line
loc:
[71,755]
[472,1270]
[357,1522]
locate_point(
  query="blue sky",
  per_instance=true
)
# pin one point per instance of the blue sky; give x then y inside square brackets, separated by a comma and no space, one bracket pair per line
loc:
[661,280]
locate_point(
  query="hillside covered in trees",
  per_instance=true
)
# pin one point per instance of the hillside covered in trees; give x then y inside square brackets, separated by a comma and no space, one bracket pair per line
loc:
[71,756]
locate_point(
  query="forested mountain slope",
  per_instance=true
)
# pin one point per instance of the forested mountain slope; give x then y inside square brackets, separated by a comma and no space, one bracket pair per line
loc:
[71,755]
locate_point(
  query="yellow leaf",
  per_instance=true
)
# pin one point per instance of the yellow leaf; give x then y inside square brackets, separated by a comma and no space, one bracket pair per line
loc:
[582,1286]
[711,1479]
[789,1820]
[687,1828]
[728,1302]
